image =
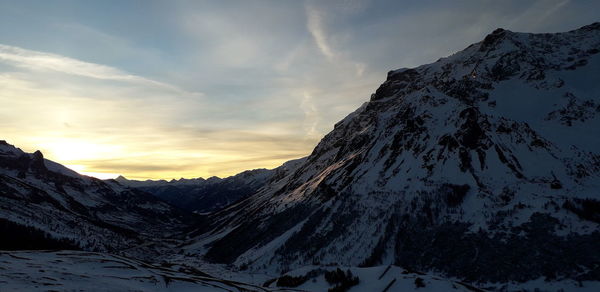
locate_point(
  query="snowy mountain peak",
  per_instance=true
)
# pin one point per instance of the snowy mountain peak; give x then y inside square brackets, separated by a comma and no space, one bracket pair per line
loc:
[496,145]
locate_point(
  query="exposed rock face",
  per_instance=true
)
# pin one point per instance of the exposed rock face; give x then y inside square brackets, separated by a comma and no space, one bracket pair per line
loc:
[37,162]
[477,166]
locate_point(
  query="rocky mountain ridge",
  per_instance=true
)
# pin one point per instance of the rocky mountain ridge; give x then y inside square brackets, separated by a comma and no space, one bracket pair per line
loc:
[44,200]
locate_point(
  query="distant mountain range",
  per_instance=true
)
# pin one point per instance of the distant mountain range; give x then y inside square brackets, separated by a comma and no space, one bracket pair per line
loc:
[482,167]
[206,195]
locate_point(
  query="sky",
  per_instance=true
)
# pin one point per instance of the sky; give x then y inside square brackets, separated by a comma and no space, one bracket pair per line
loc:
[170,89]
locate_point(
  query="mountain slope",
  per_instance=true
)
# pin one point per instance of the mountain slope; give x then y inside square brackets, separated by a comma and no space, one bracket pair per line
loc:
[484,165]
[43,199]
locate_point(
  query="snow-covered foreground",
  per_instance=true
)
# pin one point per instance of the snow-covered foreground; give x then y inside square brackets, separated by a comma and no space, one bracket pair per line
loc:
[382,278]
[90,271]
[394,278]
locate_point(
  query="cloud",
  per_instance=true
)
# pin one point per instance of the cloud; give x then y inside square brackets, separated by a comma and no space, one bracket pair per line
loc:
[34,60]
[105,120]
[538,13]
[311,116]
[315,27]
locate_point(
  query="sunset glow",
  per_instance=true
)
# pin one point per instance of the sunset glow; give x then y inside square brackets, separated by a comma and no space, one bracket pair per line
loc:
[189,89]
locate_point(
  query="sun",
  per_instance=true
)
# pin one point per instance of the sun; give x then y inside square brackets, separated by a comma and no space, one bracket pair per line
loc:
[74,153]
[81,169]
[69,150]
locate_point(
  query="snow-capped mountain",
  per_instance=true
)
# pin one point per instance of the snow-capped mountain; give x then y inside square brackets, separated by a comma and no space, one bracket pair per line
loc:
[204,195]
[484,165]
[44,201]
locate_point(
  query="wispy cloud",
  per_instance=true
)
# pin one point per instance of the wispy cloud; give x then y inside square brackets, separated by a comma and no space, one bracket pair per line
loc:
[314,24]
[317,29]
[35,60]
[537,13]
[311,116]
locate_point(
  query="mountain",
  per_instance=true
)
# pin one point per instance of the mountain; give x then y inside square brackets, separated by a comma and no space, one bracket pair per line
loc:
[207,195]
[484,166]
[44,205]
